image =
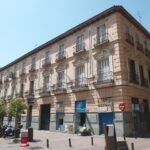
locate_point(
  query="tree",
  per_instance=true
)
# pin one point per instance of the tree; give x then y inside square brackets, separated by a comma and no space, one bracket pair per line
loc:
[16,108]
[2,110]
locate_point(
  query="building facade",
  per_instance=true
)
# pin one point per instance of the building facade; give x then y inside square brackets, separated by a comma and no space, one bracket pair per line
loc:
[97,72]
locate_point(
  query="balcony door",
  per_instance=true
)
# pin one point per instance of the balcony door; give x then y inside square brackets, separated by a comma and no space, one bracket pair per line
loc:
[103,70]
[31,87]
[80,75]
[61,79]
[61,53]
[79,43]
[101,33]
[132,71]
[46,82]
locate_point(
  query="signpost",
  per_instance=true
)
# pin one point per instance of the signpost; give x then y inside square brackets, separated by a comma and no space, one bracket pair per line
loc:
[122,106]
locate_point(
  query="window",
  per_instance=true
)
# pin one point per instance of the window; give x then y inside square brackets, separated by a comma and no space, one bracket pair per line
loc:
[103,70]
[61,79]
[46,81]
[145,106]
[13,88]
[47,57]
[31,87]
[149,76]
[132,72]
[33,63]
[79,43]
[23,67]
[61,51]
[101,34]
[80,75]
[142,75]
[135,104]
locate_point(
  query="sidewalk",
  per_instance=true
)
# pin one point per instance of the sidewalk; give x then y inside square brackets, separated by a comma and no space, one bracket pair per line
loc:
[59,141]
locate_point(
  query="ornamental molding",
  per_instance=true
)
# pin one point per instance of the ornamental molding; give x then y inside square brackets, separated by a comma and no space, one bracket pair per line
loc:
[61,67]
[103,54]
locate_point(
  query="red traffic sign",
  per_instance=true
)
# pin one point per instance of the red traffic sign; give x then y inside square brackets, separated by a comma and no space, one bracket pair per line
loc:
[122,106]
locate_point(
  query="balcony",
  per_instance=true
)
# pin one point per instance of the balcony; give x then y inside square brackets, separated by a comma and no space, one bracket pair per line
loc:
[147,52]
[139,46]
[22,73]
[29,95]
[79,49]
[6,79]
[129,39]
[32,68]
[104,79]
[44,91]
[101,41]
[60,87]
[46,62]
[60,56]
[1,81]
[133,78]
[144,83]
[80,84]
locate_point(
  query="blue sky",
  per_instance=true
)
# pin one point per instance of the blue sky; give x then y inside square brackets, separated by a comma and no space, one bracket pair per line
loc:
[26,24]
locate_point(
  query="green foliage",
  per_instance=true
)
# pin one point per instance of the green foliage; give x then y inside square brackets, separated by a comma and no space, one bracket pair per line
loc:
[16,107]
[2,108]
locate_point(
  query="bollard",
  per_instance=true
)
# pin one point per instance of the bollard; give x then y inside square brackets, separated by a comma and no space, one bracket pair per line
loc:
[47,143]
[70,142]
[92,142]
[132,146]
[124,137]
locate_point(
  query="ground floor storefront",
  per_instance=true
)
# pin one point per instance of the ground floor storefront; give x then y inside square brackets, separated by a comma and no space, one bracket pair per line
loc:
[126,107]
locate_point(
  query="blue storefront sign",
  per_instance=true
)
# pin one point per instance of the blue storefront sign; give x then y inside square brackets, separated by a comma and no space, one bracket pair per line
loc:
[59,107]
[80,106]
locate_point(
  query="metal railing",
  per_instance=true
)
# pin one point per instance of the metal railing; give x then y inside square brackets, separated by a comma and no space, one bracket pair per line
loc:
[46,61]
[32,68]
[61,55]
[80,82]
[104,77]
[133,78]
[139,46]
[45,88]
[22,72]
[129,39]
[102,39]
[60,85]
[79,47]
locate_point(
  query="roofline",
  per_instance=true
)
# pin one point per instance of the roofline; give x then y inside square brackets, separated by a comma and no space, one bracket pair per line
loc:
[101,15]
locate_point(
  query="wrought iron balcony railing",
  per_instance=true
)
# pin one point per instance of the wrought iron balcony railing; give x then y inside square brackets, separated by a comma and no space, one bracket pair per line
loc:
[133,78]
[60,56]
[130,39]
[22,72]
[79,48]
[139,46]
[46,62]
[100,40]
[32,68]
[104,77]
[80,83]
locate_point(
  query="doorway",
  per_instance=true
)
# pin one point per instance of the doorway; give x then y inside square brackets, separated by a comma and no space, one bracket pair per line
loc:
[45,117]
[59,121]
[105,118]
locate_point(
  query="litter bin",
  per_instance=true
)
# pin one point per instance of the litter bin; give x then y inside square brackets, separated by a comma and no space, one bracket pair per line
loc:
[30,134]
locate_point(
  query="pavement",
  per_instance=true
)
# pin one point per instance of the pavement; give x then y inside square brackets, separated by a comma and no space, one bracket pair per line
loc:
[59,141]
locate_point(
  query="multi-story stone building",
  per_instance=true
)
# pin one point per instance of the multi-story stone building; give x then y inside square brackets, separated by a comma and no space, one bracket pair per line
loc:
[97,72]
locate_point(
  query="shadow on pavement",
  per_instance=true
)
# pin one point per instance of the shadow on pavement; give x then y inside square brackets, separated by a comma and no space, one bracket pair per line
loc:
[35,147]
